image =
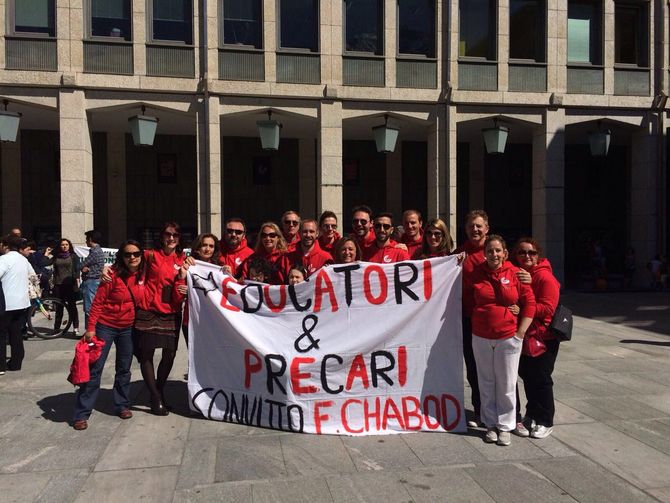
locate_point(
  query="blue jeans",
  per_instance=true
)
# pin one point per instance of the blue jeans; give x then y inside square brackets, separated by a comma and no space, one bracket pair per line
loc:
[88,289]
[88,392]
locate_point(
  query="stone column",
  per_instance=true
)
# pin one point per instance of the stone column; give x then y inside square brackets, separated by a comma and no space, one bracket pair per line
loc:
[208,140]
[394,182]
[307,178]
[390,10]
[329,159]
[76,165]
[643,199]
[608,48]
[477,173]
[548,188]
[557,46]
[270,39]
[11,184]
[503,44]
[117,202]
[139,37]
[441,170]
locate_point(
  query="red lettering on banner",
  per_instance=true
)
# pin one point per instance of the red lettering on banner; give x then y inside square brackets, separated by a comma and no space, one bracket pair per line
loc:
[402,365]
[383,285]
[296,376]
[318,417]
[391,414]
[427,279]
[249,367]
[275,308]
[426,412]
[225,291]
[343,414]
[457,406]
[376,414]
[415,412]
[324,285]
[358,369]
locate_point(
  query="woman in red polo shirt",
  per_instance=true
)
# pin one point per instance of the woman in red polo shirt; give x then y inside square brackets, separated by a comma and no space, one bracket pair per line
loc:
[503,310]
[111,319]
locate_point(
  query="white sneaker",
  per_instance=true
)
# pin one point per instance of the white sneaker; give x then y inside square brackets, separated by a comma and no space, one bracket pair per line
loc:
[541,431]
[491,436]
[75,331]
[504,438]
[521,430]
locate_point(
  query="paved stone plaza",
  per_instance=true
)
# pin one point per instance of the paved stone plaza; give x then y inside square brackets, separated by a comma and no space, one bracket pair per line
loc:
[611,442]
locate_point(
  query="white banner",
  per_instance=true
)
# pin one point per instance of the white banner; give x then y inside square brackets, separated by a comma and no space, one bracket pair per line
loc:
[359,349]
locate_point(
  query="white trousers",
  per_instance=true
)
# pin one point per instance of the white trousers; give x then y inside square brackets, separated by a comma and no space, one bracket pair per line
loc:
[497,370]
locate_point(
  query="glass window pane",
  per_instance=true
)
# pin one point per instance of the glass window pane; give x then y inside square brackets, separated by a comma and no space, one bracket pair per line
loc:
[630,35]
[364,24]
[299,24]
[35,16]
[526,37]
[242,22]
[110,18]
[584,40]
[173,20]
[478,29]
[416,27]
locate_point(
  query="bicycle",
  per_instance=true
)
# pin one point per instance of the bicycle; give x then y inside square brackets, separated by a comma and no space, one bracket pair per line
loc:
[48,318]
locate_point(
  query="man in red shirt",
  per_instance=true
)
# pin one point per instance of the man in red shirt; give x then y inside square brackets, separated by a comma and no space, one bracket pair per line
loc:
[413,225]
[308,253]
[290,224]
[383,250]
[234,248]
[361,222]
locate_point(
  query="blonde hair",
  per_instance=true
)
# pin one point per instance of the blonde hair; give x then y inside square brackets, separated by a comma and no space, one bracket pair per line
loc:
[281,242]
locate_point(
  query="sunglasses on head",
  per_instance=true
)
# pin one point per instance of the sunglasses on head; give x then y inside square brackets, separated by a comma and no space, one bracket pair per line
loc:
[530,253]
[171,234]
[270,235]
[291,222]
[383,226]
[360,221]
[237,232]
[136,254]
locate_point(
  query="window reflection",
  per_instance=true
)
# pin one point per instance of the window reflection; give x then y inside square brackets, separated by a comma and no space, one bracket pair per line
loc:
[364,24]
[478,29]
[172,20]
[35,16]
[242,23]
[527,30]
[111,18]
[584,32]
[416,27]
[299,24]
[630,30]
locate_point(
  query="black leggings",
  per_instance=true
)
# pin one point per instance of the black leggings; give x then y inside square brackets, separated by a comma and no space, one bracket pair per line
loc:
[67,294]
[155,381]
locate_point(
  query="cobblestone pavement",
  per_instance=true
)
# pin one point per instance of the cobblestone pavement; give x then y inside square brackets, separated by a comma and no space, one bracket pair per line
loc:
[611,442]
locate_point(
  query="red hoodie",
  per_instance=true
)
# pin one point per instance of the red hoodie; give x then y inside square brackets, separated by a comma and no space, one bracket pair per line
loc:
[277,263]
[113,305]
[291,246]
[366,242]
[161,280]
[314,260]
[235,258]
[413,247]
[475,257]
[494,291]
[386,255]
[329,247]
[547,290]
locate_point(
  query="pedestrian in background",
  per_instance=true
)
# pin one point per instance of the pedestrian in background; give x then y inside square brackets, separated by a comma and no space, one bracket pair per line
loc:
[91,270]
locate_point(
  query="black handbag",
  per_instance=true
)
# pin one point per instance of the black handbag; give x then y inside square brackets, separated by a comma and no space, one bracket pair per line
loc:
[561,323]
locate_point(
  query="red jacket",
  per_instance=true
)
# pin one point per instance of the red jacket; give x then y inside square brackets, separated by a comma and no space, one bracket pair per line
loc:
[113,305]
[547,290]
[413,247]
[160,280]
[312,261]
[494,292]
[291,246]
[85,355]
[386,255]
[475,257]
[277,262]
[235,258]
[328,247]
[366,242]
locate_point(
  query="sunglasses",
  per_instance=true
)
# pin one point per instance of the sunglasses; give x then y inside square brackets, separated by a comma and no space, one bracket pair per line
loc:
[237,232]
[360,221]
[271,235]
[435,234]
[171,234]
[292,223]
[383,226]
[206,245]
[329,226]
[530,253]
[136,254]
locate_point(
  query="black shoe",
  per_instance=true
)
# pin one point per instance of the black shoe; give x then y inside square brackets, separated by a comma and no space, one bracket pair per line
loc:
[158,408]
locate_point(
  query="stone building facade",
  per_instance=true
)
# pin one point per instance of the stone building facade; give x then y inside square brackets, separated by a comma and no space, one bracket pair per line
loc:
[552,71]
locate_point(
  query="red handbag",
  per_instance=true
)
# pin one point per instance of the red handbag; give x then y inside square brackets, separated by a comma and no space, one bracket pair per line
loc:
[532,345]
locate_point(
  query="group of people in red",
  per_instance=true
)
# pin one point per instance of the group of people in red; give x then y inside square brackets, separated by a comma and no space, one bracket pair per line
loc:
[508,302]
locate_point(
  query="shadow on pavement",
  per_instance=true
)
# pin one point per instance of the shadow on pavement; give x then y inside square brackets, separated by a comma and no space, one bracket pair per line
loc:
[644,310]
[649,343]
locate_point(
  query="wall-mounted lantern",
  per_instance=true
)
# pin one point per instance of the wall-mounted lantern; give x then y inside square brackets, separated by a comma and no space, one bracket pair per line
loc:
[599,142]
[143,128]
[495,138]
[9,124]
[385,136]
[269,133]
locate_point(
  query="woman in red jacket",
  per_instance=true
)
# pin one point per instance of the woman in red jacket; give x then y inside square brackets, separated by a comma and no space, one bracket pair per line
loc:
[271,248]
[436,241]
[497,336]
[111,319]
[159,318]
[540,347]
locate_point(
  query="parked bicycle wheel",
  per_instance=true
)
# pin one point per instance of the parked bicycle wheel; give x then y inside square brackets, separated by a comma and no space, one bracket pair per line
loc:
[48,318]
